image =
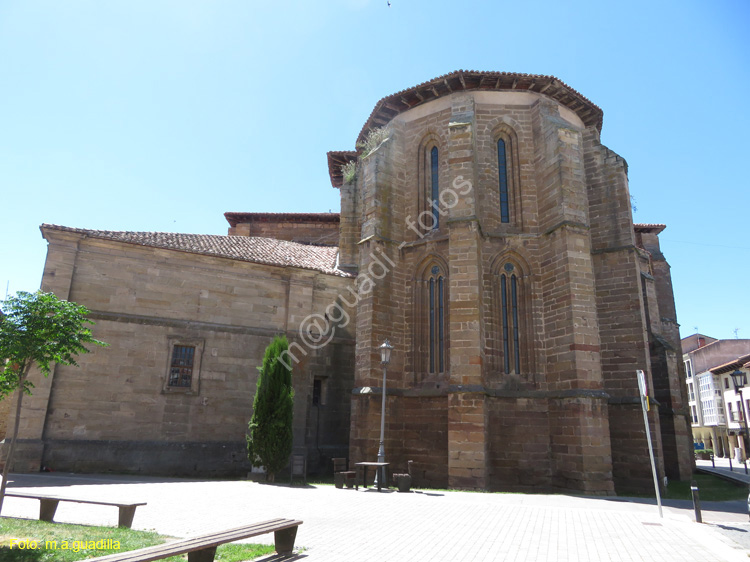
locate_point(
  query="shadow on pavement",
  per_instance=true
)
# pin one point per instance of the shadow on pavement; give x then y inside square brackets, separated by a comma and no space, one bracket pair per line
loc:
[279,557]
[61,479]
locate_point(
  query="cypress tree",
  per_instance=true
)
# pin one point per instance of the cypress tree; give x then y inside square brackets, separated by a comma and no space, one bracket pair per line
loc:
[269,439]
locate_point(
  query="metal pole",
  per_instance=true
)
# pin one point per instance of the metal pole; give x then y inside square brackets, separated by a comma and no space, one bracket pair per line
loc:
[380,473]
[696,501]
[641,376]
[744,419]
[653,462]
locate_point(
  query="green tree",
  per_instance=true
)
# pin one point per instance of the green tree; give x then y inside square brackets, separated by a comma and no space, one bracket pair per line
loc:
[37,329]
[269,440]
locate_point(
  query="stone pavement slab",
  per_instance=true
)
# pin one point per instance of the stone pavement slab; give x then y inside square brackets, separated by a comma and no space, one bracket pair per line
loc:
[350,526]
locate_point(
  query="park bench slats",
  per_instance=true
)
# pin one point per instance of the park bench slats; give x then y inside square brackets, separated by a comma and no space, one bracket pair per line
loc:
[48,506]
[75,500]
[202,548]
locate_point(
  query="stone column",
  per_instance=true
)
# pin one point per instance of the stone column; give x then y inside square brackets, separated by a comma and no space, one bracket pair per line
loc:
[621,312]
[579,416]
[668,367]
[467,402]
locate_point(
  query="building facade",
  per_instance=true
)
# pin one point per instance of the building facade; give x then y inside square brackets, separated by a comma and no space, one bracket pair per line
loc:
[187,319]
[485,231]
[716,410]
[519,295]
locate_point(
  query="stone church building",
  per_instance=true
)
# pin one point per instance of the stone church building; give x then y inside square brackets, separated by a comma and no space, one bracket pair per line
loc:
[486,232]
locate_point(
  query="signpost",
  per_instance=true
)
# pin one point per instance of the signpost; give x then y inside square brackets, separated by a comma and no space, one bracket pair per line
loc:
[645,406]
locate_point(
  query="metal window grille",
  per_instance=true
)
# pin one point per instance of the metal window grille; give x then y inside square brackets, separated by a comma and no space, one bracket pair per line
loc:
[181,368]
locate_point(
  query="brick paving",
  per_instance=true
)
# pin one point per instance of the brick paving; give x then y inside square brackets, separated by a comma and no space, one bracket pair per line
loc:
[350,526]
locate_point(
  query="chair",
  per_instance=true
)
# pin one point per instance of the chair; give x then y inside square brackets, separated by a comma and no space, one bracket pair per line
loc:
[341,475]
[298,467]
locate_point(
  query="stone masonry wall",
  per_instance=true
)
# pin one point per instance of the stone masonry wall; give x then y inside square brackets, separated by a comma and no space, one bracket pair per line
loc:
[621,315]
[114,410]
[321,233]
[548,240]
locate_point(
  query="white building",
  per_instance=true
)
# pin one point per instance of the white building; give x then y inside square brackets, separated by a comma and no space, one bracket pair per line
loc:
[716,419]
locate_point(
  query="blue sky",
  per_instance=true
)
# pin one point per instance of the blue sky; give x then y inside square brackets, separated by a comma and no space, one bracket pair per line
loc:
[162,115]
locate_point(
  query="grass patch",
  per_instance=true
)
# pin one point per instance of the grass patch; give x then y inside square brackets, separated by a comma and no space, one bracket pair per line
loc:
[60,542]
[711,488]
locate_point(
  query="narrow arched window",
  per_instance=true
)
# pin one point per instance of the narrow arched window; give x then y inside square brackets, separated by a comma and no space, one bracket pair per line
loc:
[511,319]
[436,321]
[431,325]
[434,188]
[502,169]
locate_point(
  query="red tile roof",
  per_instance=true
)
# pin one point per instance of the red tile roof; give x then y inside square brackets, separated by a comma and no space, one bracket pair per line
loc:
[463,81]
[731,365]
[268,251]
[649,227]
[469,80]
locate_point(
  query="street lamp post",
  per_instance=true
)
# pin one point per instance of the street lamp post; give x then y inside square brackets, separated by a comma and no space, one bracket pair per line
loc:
[738,378]
[385,358]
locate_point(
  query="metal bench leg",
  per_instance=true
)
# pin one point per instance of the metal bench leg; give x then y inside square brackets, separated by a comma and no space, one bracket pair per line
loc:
[205,555]
[284,540]
[125,519]
[47,509]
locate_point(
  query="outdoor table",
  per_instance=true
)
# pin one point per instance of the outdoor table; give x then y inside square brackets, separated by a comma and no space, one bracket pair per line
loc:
[362,466]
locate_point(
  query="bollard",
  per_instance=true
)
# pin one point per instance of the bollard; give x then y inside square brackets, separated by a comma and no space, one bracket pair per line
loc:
[696,501]
[745,462]
[713,463]
[730,464]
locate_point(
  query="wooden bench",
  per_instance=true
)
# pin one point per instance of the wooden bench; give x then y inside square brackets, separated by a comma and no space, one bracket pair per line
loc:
[203,548]
[48,506]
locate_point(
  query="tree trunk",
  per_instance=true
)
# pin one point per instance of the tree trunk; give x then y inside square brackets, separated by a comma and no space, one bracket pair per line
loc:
[12,448]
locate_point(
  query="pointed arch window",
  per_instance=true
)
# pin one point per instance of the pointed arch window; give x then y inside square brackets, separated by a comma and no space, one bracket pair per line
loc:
[514,341]
[431,327]
[436,321]
[428,190]
[509,203]
[502,172]
[434,187]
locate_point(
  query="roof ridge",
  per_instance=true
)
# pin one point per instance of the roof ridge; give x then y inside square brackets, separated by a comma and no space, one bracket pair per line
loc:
[255,249]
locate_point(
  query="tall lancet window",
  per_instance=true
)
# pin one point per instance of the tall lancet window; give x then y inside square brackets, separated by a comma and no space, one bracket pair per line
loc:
[431,326]
[434,187]
[437,321]
[514,341]
[502,170]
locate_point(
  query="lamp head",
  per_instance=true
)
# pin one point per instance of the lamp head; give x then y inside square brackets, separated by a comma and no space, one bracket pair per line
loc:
[385,352]
[738,378]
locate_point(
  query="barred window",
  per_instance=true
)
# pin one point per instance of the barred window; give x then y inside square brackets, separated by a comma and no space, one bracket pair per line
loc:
[181,370]
[183,364]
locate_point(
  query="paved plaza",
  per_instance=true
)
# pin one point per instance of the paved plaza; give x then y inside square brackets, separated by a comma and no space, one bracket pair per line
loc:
[351,526]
